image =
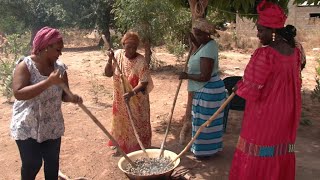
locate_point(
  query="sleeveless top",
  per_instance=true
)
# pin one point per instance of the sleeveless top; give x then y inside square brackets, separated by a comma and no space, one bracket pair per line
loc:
[209,50]
[39,118]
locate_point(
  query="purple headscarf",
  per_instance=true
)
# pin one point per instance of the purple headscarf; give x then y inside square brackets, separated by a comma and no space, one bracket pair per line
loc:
[45,37]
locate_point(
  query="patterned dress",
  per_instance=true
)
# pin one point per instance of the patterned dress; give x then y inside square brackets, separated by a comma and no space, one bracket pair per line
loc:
[134,71]
[207,98]
[39,118]
[271,86]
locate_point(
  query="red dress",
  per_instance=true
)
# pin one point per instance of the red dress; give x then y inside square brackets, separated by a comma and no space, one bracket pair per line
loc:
[271,86]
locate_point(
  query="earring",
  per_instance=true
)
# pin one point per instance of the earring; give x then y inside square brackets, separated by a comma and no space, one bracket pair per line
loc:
[273,36]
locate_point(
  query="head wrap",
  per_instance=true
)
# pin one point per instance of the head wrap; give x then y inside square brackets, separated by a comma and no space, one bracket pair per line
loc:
[203,25]
[45,37]
[130,37]
[271,15]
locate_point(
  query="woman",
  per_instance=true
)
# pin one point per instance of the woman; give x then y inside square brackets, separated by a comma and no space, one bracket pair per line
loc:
[271,87]
[37,123]
[208,90]
[293,32]
[137,76]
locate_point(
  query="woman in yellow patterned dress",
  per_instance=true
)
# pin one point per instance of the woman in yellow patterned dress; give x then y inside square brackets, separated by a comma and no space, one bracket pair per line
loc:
[136,75]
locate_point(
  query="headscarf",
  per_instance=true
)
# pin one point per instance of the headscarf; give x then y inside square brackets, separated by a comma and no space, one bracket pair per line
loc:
[203,25]
[45,37]
[271,15]
[130,37]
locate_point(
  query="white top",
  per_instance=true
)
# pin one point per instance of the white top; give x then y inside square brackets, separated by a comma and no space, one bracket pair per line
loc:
[39,118]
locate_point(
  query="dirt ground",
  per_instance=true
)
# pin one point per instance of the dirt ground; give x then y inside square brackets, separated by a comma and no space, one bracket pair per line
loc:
[84,152]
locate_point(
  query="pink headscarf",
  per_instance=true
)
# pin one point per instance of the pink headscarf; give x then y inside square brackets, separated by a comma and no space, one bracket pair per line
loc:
[271,15]
[45,37]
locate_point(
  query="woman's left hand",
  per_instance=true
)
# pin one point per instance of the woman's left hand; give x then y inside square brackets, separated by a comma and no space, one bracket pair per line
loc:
[183,75]
[76,99]
[128,95]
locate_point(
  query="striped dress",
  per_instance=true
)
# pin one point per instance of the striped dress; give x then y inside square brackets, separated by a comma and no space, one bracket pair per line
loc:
[205,103]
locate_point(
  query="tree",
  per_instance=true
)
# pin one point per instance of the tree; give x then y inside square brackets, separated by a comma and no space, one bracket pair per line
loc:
[150,18]
[91,14]
[34,14]
[245,8]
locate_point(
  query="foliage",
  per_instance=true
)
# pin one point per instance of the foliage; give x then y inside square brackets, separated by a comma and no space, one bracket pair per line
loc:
[21,15]
[176,39]
[245,8]
[17,46]
[6,68]
[33,13]
[150,18]
[316,92]
[176,48]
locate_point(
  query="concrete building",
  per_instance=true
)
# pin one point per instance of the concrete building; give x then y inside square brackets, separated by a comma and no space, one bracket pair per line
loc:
[304,17]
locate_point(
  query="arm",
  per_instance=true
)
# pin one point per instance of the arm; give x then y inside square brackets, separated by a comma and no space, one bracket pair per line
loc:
[140,87]
[206,66]
[108,70]
[23,90]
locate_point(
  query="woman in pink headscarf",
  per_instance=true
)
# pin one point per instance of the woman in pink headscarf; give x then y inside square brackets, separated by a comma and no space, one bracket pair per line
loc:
[37,123]
[271,86]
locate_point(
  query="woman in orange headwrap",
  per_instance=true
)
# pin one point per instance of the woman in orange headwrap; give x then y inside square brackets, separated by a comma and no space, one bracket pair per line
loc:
[136,74]
[37,122]
[271,87]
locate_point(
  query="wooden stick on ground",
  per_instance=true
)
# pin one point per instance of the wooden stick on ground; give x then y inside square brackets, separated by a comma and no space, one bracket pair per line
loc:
[135,130]
[174,104]
[98,123]
[213,117]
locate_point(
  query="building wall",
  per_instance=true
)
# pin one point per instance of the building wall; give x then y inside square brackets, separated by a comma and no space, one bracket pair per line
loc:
[298,16]
[303,20]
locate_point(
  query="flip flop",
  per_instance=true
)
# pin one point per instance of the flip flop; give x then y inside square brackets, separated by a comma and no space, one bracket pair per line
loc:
[116,153]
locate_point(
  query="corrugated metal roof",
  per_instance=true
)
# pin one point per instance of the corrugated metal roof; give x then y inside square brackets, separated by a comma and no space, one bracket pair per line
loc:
[306,4]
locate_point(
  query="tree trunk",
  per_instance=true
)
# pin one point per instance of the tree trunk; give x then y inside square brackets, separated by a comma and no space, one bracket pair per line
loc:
[198,8]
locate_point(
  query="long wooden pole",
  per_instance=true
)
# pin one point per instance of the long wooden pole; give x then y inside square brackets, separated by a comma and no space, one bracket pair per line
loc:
[173,105]
[213,117]
[98,123]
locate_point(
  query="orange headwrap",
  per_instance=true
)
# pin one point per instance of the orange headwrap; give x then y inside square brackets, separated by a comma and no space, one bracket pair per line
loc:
[271,15]
[130,37]
[45,37]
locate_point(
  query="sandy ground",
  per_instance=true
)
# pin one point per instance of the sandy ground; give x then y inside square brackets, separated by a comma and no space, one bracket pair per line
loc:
[84,152]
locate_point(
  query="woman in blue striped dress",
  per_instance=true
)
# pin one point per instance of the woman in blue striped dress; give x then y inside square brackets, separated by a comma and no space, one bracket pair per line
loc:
[207,88]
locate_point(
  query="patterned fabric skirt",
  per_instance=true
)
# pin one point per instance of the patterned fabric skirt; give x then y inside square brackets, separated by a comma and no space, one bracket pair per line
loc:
[205,103]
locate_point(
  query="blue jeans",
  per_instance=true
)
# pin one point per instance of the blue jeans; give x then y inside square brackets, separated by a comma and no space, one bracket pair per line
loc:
[32,153]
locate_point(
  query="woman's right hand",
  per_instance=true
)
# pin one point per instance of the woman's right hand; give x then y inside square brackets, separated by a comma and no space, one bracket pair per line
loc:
[54,77]
[110,53]
[183,75]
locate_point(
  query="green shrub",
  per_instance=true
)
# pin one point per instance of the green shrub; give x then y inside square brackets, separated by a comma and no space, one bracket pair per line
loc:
[316,92]
[177,48]
[18,45]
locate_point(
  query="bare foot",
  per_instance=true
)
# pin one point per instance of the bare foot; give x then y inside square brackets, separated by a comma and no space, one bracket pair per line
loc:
[186,128]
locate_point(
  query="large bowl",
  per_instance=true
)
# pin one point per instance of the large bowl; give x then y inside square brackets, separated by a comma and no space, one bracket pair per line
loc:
[152,153]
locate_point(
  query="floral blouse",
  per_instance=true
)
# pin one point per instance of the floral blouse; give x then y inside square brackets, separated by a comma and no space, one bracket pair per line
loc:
[39,118]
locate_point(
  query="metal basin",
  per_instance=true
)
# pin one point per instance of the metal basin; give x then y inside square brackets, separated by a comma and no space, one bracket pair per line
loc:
[152,153]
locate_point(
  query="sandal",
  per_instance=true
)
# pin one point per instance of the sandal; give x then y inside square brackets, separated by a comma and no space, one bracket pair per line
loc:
[115,153]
